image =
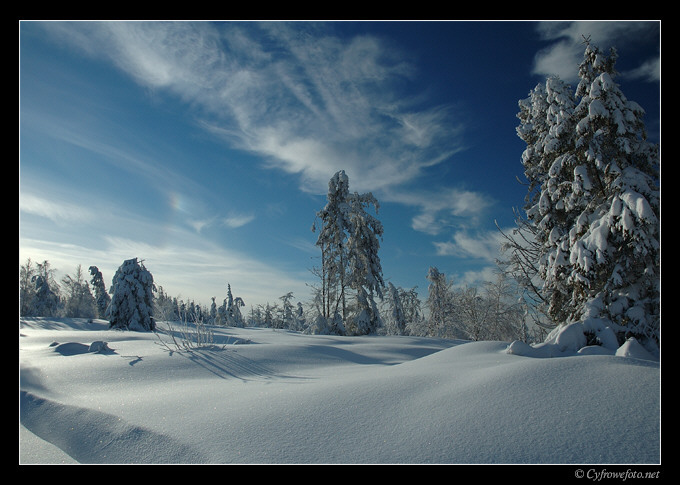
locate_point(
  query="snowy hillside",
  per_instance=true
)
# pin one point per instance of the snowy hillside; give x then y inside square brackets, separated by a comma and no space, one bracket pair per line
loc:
[265,396]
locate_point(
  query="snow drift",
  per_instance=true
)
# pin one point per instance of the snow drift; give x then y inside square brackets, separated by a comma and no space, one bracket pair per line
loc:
[93,395]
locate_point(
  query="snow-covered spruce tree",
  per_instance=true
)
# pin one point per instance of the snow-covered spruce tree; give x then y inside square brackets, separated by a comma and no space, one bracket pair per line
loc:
[232,312]
[132,298]
[533,130]
[538,247]
[364,263]
[46,300]
[286,318]
[593,210]
[349,243]
[614,245]
[101,296]
[332,237]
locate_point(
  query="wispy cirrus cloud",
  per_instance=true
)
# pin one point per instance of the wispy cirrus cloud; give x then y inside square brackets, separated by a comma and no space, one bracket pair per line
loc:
[231,221]
[308,102]
[55,210]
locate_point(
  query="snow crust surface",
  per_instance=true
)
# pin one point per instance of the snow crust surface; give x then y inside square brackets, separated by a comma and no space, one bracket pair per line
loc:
[93,395]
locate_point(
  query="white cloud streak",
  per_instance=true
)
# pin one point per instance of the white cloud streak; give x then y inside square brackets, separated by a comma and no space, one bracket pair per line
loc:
[57,211]
[234,221]
[442,208]
[484,246]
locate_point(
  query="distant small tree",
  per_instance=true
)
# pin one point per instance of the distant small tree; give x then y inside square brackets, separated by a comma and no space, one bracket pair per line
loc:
[396,322]
[440,303]
[268,315]
[507,310]
[300,321]
[78,301]
[213,311]
[413,314]
[26,288]
[133,300]
[221,314]
[101,296]
[233,315]
[255,318]
[46,301]
[164,306]
[287,319]
[474,313]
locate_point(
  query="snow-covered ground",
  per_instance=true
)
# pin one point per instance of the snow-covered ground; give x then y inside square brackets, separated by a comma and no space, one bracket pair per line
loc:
[272,396]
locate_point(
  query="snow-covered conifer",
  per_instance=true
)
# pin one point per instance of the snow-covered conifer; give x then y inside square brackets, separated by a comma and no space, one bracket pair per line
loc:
[397,321]
[101,296]
[232,309]
[221,316]
[286,318]
[439,302]
[365,268]
[538,245]
[614,244]
[268,315]
[300,321]
[46,301]
[332,237]
[213,311]
[593,207]
[132,297]
[413,315]
[349,243]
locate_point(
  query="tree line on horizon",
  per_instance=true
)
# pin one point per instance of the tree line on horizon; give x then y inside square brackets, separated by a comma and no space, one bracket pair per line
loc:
[490,312]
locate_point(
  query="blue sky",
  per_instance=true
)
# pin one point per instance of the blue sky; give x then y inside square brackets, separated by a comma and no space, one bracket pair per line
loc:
[205,148]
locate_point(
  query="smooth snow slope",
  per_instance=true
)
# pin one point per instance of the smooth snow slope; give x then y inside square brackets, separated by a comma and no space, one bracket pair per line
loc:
[265,396]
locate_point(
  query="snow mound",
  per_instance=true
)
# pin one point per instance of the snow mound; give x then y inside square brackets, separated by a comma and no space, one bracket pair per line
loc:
[76,348]
[572,339]
[632,348]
